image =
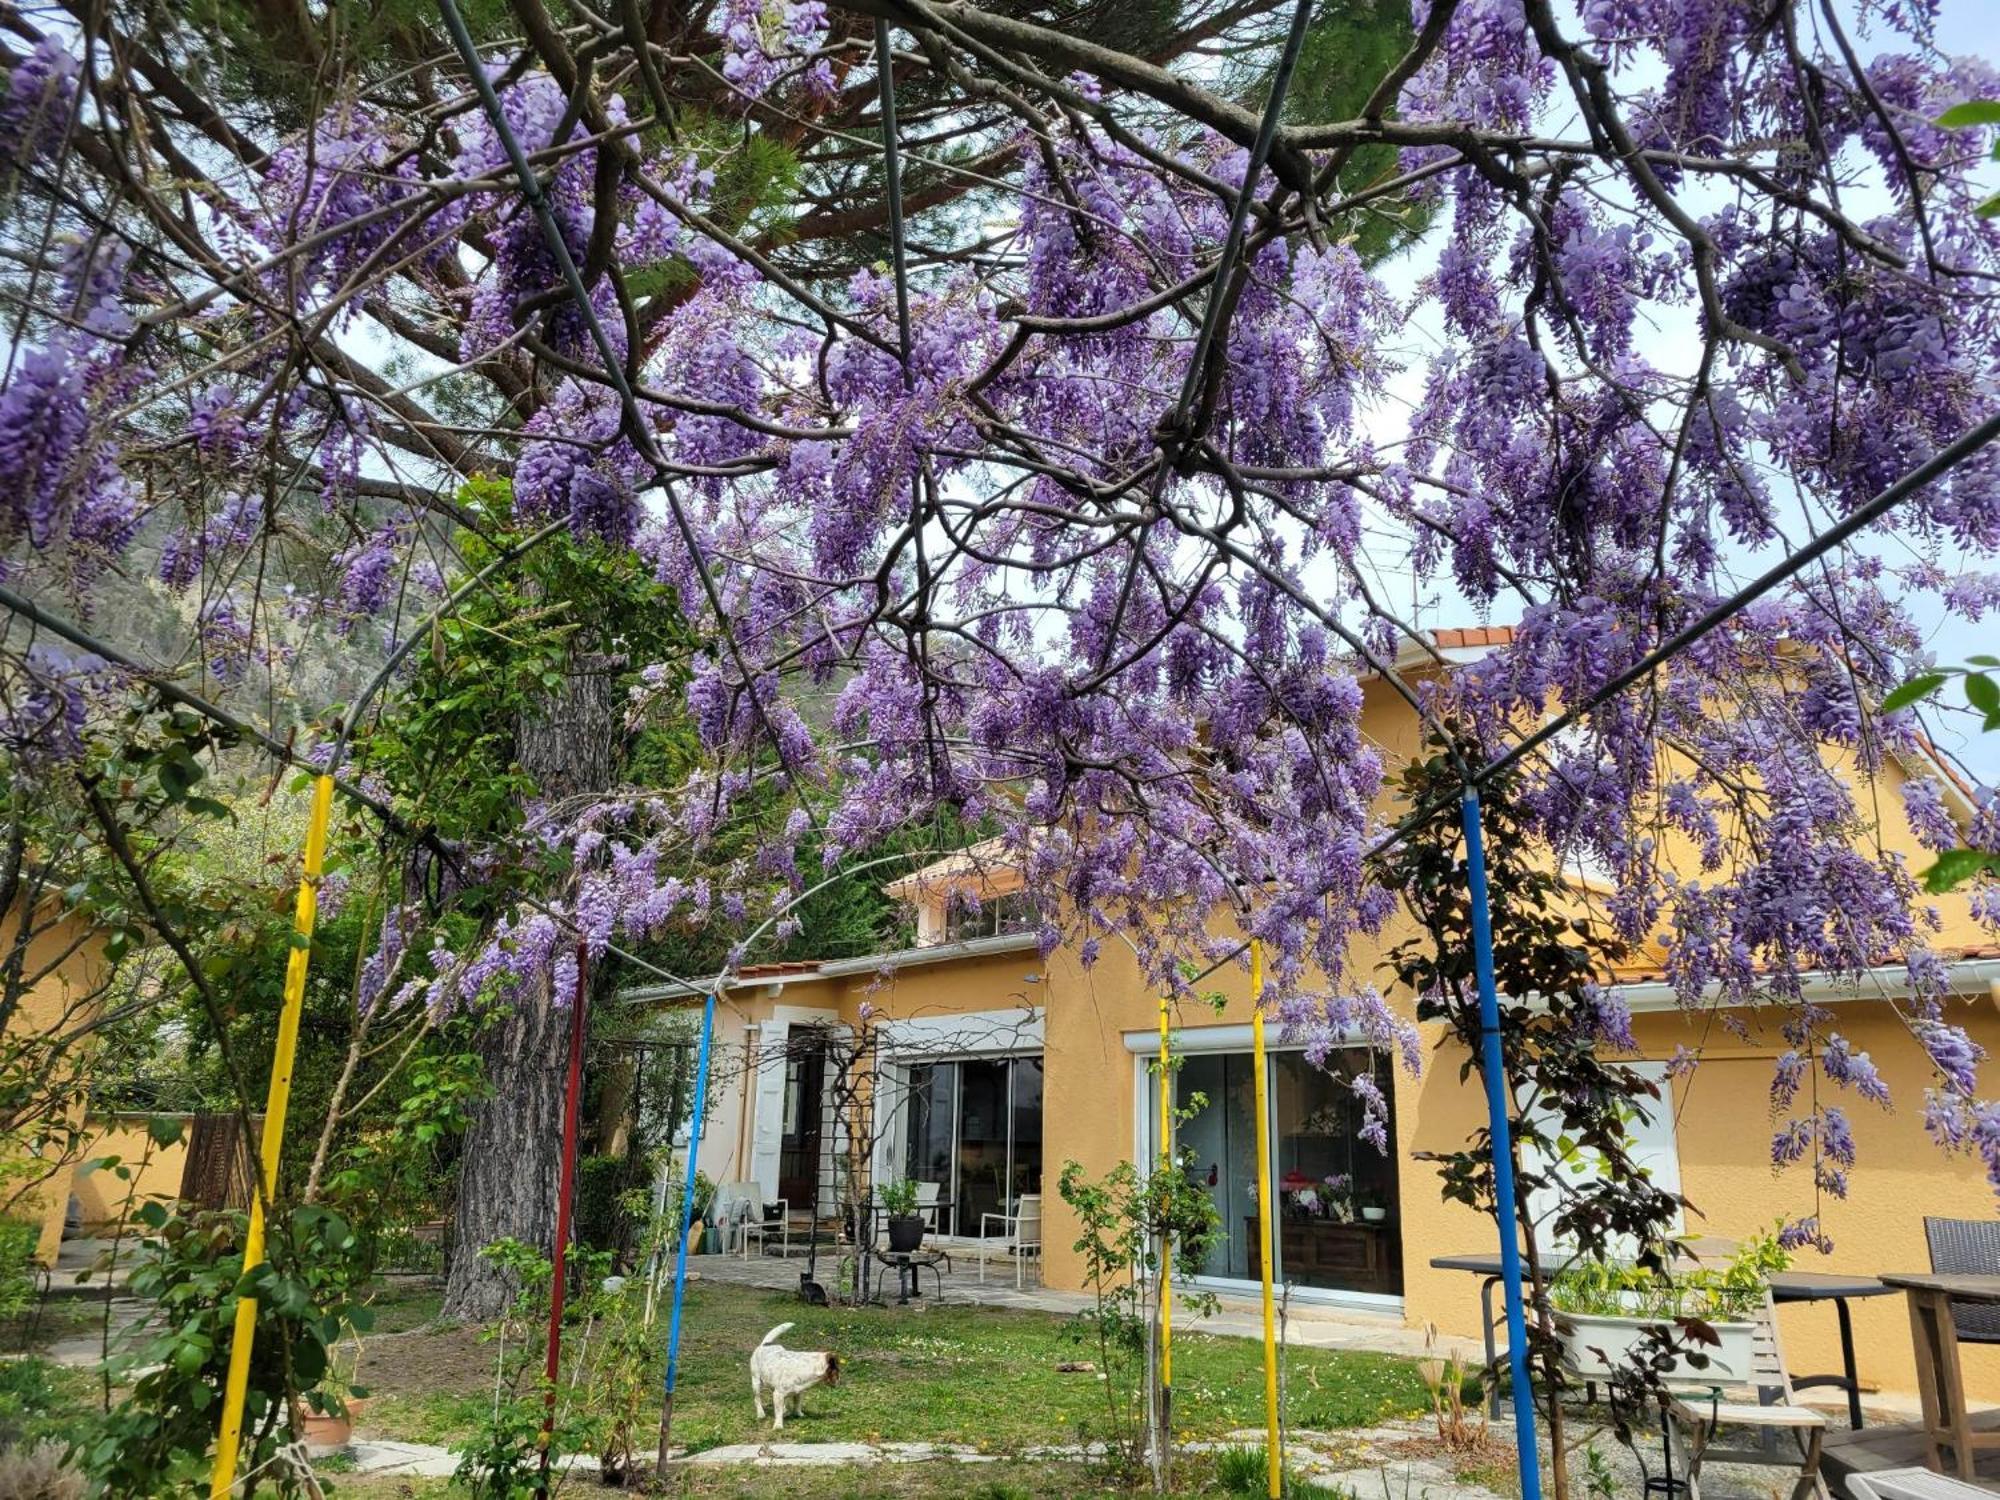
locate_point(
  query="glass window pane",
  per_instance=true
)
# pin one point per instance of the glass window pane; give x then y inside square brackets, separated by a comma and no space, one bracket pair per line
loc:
[1336,1191]
[982,1142]
[928,1129]
[1027,1165]
[1222,1139]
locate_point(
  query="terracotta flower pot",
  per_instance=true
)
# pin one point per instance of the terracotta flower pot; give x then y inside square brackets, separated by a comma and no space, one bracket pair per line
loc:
[327,1434]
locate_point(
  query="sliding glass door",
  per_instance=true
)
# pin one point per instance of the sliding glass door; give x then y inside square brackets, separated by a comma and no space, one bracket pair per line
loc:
[1337,1218]
[974,1128]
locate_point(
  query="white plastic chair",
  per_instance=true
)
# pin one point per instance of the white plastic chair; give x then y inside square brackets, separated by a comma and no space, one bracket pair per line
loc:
[761,1220]
[726,1209]
[1911,1484]
[1020,1236]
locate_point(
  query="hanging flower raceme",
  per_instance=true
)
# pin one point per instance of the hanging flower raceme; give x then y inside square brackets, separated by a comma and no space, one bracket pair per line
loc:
[36,108]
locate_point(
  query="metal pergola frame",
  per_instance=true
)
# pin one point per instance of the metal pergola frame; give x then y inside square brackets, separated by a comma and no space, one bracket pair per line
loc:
[1215,318]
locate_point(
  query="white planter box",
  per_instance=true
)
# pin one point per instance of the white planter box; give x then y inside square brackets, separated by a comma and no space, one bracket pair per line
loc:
[1584,1335]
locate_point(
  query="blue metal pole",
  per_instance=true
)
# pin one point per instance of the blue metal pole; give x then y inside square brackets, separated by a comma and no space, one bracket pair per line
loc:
[1498,1116]
[687,1223]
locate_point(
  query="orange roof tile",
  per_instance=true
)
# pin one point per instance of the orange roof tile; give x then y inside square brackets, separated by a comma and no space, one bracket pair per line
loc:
[1456,636]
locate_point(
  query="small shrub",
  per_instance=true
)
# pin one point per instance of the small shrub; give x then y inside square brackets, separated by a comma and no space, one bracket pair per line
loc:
[1245,1471]
[1124,1219]
[18,1285]
[898,1199]
[1461,1420]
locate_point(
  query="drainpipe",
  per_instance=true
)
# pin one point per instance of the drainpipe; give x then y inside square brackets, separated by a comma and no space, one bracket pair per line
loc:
[746,1129]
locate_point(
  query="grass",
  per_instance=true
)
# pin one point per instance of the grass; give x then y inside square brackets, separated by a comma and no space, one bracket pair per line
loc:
[935,1481]
[404,1303]
[951,1373]
[1246,1471]
[40,1401]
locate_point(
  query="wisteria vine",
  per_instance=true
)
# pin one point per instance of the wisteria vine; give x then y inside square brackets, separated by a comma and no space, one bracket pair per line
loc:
[1670,286]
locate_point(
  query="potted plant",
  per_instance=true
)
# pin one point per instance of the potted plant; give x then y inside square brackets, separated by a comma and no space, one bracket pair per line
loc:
[331,1430]
[906,1225]
[329,1412]
[1603,1312]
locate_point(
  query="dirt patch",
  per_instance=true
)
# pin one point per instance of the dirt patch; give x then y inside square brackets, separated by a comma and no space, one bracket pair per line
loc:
[428,1361]
[1487,1450]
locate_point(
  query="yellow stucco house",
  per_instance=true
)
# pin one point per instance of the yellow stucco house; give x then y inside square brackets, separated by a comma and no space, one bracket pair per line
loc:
[1002,1066]
[62,971]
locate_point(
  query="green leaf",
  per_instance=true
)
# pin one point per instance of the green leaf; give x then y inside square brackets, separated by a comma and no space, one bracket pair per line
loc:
[1917,687]
[1954,867]
[1972,112]
[174,779]
[164,1129]
[1984,661]
[1983,693]
[1990,209]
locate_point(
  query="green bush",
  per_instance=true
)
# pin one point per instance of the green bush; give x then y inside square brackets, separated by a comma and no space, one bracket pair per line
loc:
[601,1220]
[38,1400]
[1244,1471]
[18,1285]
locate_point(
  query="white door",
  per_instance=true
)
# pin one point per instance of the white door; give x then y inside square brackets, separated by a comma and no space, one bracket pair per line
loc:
[767,1092]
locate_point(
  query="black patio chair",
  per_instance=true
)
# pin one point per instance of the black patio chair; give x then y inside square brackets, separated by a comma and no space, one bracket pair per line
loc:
[1968,1247]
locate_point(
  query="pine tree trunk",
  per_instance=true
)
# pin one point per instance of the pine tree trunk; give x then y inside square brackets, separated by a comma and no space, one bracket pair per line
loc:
[513,1145]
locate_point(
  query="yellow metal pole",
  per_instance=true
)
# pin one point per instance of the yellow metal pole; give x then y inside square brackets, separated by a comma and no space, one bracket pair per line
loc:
[272,1142]
[1166,1244]
[1274,1458]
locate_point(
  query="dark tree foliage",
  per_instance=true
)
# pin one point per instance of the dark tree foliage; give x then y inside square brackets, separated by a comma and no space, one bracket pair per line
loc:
[1558,1041]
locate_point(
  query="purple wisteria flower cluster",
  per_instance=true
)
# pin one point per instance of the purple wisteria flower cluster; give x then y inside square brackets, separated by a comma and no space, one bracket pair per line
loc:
[1673,286]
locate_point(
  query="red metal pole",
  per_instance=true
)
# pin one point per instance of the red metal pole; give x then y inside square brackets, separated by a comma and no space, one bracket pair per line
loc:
[565,1192]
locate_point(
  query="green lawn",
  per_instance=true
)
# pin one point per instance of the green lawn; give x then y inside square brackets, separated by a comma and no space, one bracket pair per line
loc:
[41,1402]
[950,1373]
[404,1303]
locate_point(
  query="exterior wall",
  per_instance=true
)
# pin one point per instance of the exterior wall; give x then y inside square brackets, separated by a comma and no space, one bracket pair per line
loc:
[1900,1176]
[63,999]
[102,1197]
[729,1068]
[1724,1120]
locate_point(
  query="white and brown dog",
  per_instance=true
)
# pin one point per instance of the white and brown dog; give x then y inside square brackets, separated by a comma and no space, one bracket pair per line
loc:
[787,1374]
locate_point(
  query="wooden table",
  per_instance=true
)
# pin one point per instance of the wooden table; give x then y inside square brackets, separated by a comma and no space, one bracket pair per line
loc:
[1940,1380]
